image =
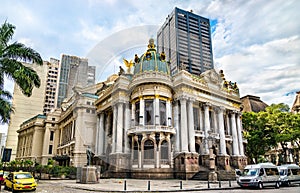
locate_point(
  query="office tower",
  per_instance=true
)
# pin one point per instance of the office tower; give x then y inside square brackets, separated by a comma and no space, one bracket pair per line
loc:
[74,71]
[186,40]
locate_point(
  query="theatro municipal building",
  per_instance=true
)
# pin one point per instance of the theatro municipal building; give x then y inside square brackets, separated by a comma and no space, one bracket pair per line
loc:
[154,124]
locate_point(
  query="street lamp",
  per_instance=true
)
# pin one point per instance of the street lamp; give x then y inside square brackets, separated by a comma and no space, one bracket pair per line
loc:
[212,176]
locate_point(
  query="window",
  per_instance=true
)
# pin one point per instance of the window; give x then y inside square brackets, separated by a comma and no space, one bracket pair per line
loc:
[50,149]
[164,150]
[148,149]
[162,112]
[196,119]
[51,135]
[88,103]
[149,120]
[135,150]
[137,113]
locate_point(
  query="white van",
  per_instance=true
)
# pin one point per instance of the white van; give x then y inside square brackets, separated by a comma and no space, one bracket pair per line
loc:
[289,174]
[259,175]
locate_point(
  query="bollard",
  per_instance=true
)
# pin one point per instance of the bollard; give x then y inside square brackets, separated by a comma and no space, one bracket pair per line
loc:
[219,183]
[125,185]
[148,185]
[229,183]
[180,185]
[208,185]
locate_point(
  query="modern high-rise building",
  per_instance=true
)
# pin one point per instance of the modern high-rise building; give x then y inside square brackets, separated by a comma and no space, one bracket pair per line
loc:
[74,71]
[185,39]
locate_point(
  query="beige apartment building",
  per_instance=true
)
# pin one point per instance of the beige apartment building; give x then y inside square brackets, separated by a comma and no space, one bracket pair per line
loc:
[26,107]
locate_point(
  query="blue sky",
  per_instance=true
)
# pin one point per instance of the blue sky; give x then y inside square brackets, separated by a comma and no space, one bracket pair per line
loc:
[255,42]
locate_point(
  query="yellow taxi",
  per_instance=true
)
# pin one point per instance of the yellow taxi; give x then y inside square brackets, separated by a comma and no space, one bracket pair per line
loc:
[20,181]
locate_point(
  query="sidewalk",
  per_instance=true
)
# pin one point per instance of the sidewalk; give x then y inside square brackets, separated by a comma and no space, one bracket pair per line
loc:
[135,185]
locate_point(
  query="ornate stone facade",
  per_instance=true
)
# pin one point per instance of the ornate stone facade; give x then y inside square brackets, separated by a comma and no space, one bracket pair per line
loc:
[152,124]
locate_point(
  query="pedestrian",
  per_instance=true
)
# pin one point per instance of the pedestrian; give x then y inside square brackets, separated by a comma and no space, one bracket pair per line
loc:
[1,180]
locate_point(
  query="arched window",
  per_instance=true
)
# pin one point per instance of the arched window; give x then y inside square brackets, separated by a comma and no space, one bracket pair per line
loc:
[148,149]
[164,150]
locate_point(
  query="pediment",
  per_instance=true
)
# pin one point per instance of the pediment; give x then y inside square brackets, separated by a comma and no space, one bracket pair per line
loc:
[212,77]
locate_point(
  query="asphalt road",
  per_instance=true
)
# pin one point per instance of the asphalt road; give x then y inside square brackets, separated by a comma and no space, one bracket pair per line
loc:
[46,187]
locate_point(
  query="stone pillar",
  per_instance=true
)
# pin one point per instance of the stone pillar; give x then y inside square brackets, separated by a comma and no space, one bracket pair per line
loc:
[101,135]
[169,114]
[239,132]
[142,110]
[191,130]
[176,126]
[73,129]
[156,110]
[234,135]
[221,131]
[201,118]
[119,131]
[126,127]
[113,139]
[183,126]
[228,124]
[206,128]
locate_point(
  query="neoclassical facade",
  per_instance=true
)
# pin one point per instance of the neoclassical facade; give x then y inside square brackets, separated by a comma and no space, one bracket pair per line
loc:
[152,124]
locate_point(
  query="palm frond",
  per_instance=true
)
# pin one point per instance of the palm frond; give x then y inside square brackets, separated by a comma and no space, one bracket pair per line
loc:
[6,33]
[19,51]
[5,110]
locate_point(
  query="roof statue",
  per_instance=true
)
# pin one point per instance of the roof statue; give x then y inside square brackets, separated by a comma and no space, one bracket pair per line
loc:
[128,65]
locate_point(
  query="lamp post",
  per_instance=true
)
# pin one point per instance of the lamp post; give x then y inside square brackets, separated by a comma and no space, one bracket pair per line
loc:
[212,175]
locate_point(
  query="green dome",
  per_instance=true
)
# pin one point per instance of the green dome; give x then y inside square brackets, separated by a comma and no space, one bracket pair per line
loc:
[151,61]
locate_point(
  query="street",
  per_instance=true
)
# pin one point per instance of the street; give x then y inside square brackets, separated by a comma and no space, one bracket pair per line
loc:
[60,187]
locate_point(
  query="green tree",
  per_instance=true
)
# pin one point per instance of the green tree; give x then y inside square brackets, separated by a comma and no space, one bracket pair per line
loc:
[260,140]
[265,130]
[11,58]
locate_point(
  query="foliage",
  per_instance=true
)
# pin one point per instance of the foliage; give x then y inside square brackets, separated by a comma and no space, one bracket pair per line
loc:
[11,58]
[265,130]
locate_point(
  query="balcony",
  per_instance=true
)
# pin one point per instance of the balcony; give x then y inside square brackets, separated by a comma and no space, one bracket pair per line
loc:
[150,128]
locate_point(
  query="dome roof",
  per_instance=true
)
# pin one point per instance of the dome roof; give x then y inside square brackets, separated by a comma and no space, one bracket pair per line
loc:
[151,61]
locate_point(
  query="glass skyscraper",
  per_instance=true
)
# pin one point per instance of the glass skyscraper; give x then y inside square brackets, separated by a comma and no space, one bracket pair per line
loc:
[186,40]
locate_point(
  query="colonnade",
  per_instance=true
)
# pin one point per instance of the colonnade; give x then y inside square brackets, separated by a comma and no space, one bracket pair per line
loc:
[185,132]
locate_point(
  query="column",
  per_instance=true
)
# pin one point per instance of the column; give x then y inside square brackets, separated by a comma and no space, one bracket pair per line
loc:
[156,110]
[142,109]
[206,128]
[176,126]
[101,134]
[234,134]
[191,129]
[126,127]
[215,121]
[228,124]
[239,131]
[169,115]
[113,140]
[221,130]
[73,129]
[97,141]
[183,126]
[119,133]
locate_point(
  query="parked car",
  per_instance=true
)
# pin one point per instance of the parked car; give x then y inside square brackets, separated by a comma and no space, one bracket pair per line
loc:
[289,174]
[20,181]
[259,175]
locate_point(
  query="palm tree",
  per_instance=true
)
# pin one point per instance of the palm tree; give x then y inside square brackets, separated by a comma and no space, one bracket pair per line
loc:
[11,58]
